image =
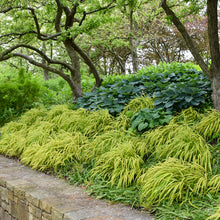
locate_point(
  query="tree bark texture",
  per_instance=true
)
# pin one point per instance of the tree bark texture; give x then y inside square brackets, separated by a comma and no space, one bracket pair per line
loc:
[212,12]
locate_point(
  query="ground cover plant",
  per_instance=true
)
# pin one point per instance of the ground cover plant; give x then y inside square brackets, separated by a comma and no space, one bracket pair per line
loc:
[143,170]
[170,168]
[175,87]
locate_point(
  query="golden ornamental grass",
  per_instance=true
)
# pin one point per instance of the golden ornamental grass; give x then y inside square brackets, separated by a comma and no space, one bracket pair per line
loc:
[172,180]
[209,126]
[215,216]
[121,165]
[187,116]
[60,150]
[141,102]
[188,146]
[214,184]
[105,142]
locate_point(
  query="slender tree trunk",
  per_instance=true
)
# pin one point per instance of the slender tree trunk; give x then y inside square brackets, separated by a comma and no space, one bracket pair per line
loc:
[133,48]
[46,73]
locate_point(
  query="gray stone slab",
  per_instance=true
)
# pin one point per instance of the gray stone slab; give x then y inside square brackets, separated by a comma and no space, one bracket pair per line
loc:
[62,200]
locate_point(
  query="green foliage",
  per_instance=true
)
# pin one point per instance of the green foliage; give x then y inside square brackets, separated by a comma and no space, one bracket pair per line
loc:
[148,118]
[181,95]
[123,121]
[215,216]
[196,209]
[172,180]
[187,146]
[121,165]
[209,126]
[112,97]
[175,87]
[102,189]
[17,93]
[55,91]
[176,164]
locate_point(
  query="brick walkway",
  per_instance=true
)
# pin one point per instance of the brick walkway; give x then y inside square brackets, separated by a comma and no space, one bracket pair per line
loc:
[26,194]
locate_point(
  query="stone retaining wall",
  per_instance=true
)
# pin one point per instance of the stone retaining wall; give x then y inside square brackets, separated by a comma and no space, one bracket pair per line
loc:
[16,204]
[26,194]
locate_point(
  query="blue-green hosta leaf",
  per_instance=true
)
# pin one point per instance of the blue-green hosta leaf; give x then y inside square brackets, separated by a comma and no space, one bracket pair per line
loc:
[188,98]
[169,104]
[142,126]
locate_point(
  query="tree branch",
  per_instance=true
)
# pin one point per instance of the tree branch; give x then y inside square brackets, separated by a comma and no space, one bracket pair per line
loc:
[43,55]
[58,16]
[34,62]
[70,14]
[186,37]
[96,10]
[40,36]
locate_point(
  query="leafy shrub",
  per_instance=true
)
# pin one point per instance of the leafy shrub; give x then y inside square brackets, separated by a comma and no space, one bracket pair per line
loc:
[112,97]
[17,93]
[148,118]
[55,91]
[123,122]
[181,95]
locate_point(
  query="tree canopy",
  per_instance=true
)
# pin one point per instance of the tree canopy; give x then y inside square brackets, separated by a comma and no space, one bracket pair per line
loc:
[110,36]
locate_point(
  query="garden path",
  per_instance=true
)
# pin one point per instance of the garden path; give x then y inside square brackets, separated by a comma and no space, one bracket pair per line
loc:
[29,194]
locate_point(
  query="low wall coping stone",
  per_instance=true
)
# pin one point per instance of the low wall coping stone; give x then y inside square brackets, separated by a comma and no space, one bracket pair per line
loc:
[46,197]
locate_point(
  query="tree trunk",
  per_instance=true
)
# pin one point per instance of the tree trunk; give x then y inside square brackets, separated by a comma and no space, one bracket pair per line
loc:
[88,61]
[216,91]
[46,73]
[133,48]
[214,72]
[212,13]
[76,88]
[75,74]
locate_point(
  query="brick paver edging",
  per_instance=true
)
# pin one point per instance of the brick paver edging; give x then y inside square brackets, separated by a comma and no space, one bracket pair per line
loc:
[26,194]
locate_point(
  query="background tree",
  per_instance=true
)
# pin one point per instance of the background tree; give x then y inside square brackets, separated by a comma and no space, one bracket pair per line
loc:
[27,23]
[212,71]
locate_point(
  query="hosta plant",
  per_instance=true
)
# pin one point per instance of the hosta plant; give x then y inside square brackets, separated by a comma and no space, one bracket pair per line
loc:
[148,118]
